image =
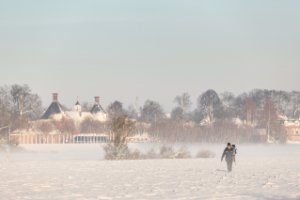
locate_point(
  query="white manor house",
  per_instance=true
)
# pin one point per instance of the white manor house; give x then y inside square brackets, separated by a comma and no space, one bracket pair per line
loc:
[56,113]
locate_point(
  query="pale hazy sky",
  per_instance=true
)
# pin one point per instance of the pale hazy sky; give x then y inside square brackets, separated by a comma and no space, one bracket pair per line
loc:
[148,49]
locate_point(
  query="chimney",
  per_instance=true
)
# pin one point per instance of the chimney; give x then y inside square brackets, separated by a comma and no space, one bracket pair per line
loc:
[97,99]
[55,97]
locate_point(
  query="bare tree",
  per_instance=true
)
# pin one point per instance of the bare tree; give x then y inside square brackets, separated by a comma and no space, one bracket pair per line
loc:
[25,101]
[269,115]
[228,101]
[210,105]
[132,112]
[250,110]
[183,101]
[90,125]
[65,125]
[5,107]
[45,127]
[152,111]
[121,127]
[177,114]
[18,106]
[115,110]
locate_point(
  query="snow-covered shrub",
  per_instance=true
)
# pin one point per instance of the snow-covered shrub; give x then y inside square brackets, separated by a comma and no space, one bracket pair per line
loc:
[183,153]
[151,154]
[134,155]
[92,125]
[167,152]
[11,147]
[118,149]
[205,154]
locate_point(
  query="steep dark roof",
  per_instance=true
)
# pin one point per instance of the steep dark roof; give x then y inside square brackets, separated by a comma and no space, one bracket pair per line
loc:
[54,108]
[97,108]
[77,103]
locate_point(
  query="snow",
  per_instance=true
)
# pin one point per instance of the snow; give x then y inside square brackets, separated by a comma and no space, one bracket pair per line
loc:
[79,172]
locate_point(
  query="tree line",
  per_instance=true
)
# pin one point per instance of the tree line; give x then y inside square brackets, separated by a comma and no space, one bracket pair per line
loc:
[249,117]
[217,117]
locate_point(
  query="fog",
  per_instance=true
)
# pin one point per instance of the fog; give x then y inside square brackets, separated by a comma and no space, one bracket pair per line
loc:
[79,172]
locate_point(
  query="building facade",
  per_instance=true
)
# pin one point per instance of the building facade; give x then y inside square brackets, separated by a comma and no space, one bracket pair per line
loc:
[292,128]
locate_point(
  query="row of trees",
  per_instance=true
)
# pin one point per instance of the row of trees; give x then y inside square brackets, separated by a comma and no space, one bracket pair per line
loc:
[253,107]
[257,109]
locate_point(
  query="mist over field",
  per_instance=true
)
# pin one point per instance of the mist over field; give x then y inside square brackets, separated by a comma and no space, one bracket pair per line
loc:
[80,172]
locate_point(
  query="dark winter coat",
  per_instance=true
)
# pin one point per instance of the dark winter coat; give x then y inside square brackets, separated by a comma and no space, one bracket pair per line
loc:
[228,154]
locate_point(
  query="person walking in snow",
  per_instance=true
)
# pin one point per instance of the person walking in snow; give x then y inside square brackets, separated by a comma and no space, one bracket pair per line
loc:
[229,157]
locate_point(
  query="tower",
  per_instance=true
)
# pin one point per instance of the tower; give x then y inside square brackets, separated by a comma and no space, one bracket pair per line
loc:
[77,107]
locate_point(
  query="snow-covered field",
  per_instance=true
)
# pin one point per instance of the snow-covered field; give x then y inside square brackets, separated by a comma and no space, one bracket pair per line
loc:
[78,172]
